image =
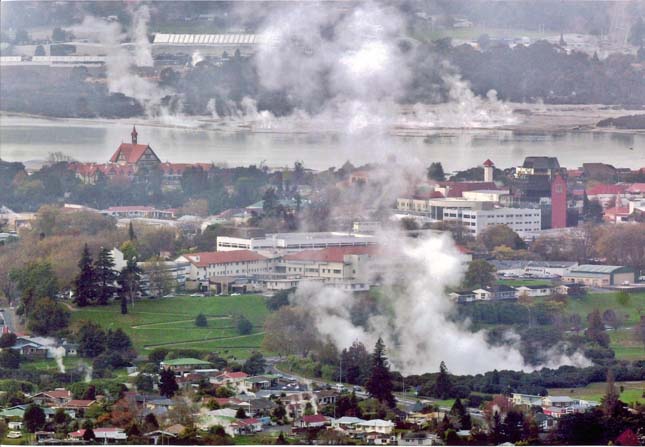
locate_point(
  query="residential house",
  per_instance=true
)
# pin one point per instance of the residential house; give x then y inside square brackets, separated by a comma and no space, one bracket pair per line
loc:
[533,291]
[463,296]
[184,365]
[233,379]
[529,400]
[311,421]
[570,289]
[376,425]
[326,397]
[600,275]
[31,348]
[297,404]
[497,292]
[244,427]
[418,438]
[104,435]
[261,407]
[79,406]
[55,398]
[346,423]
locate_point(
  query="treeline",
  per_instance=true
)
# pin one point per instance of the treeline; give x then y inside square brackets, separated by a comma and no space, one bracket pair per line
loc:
[624,122]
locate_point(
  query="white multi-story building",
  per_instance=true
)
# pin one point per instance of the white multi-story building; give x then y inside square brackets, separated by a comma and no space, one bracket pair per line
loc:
[526,222]
[282,243]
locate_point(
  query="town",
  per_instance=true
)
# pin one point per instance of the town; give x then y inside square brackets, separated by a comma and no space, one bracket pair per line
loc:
[356,222]
[152,324]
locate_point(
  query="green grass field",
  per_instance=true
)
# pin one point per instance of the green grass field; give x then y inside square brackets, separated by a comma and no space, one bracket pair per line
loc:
[632,392]
[170,323]
[623,342]
[524,282]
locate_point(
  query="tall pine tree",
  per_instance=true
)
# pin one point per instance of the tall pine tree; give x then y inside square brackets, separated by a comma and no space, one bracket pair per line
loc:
[129,282]
[105,277]
[167,383]
[84,282]
[379,384]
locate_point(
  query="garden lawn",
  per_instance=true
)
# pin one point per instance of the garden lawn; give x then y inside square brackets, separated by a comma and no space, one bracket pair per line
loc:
[170,322]
[603,301]
[633,391]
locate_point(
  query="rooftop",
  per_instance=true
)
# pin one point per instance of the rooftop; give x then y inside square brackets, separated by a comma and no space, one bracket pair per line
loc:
[589,268]
[205,259]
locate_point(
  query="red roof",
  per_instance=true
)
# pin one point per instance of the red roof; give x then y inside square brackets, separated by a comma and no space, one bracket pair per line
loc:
[233,375]
[628,437]
[79,403]
[58,394]
[636,188]
[205,259]
[314,418]
[131,152]
[488,163]
[332,254]
[606,189]
[456,189]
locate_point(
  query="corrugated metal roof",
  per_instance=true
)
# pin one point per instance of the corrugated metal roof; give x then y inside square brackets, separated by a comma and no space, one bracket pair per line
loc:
[589,268]
[209,39]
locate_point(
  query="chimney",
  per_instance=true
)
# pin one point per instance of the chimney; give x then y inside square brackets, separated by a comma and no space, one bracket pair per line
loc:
[134,135]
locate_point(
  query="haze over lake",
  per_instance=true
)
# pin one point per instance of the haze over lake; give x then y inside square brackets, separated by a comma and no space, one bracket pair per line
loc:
[25,138]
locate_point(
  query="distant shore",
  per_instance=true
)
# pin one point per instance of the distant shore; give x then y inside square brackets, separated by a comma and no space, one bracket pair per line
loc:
[534,118]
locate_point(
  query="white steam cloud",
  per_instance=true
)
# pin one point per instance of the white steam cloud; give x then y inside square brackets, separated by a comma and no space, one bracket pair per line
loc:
[414,318]
[121,62]
[348,71]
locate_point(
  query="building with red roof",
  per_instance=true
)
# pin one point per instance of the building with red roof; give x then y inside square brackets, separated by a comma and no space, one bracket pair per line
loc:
[204,266]
[311,421]
[134,154]
[606,194]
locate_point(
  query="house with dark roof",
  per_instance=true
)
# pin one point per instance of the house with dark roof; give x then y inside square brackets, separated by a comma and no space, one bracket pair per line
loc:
[53,398]
[540,165]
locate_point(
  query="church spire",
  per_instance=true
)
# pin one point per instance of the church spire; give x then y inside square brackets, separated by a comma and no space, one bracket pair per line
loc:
[134,135]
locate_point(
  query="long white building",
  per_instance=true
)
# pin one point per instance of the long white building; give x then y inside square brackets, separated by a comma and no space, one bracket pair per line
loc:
[282,243]
[526,222]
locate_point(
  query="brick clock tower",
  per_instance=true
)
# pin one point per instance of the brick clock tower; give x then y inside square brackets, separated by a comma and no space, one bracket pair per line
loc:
[558,202]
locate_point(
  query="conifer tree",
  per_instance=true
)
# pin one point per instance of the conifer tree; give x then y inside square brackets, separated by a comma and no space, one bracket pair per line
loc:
[379,384]
[167,383]
[131,234]
[84,282]
[105,277]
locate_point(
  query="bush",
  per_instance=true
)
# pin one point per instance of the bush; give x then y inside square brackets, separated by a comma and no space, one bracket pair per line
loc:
[201,321]
[244,326]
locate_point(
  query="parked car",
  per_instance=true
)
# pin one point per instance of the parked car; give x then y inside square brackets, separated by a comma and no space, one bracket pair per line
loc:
[14,435]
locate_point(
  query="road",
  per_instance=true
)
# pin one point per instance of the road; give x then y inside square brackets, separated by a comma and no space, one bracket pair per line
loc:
[9,317]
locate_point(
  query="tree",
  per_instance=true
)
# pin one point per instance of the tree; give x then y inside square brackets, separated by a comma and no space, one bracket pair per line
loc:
[40,51]
[435,172]
[84,282]
[132,236]
[167,383]
[596,329]
[280,440]
[356,363]
[443,387]
[91,340]
[8,340]
[290,331]
[254,365]
[637,33]
[117,341]
[10,359]
[459,411]
[497,235]
[34,418]
[240,413]
[379,384]
[623,298]
[279,299]
[47,317]
[479,274]
[105,277]
[35,280]
[129,281]
[244,326]
[611,401]
[592,210]
[639,331]
[200,320]
[144,383]
[160,280]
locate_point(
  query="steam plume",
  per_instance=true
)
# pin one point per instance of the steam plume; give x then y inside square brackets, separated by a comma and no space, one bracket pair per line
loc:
[414,317]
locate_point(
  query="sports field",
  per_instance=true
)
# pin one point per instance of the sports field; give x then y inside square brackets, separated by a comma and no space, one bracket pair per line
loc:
[170,323]
[632,391]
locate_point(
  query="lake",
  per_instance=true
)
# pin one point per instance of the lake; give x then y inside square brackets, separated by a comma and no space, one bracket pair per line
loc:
[27,138]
